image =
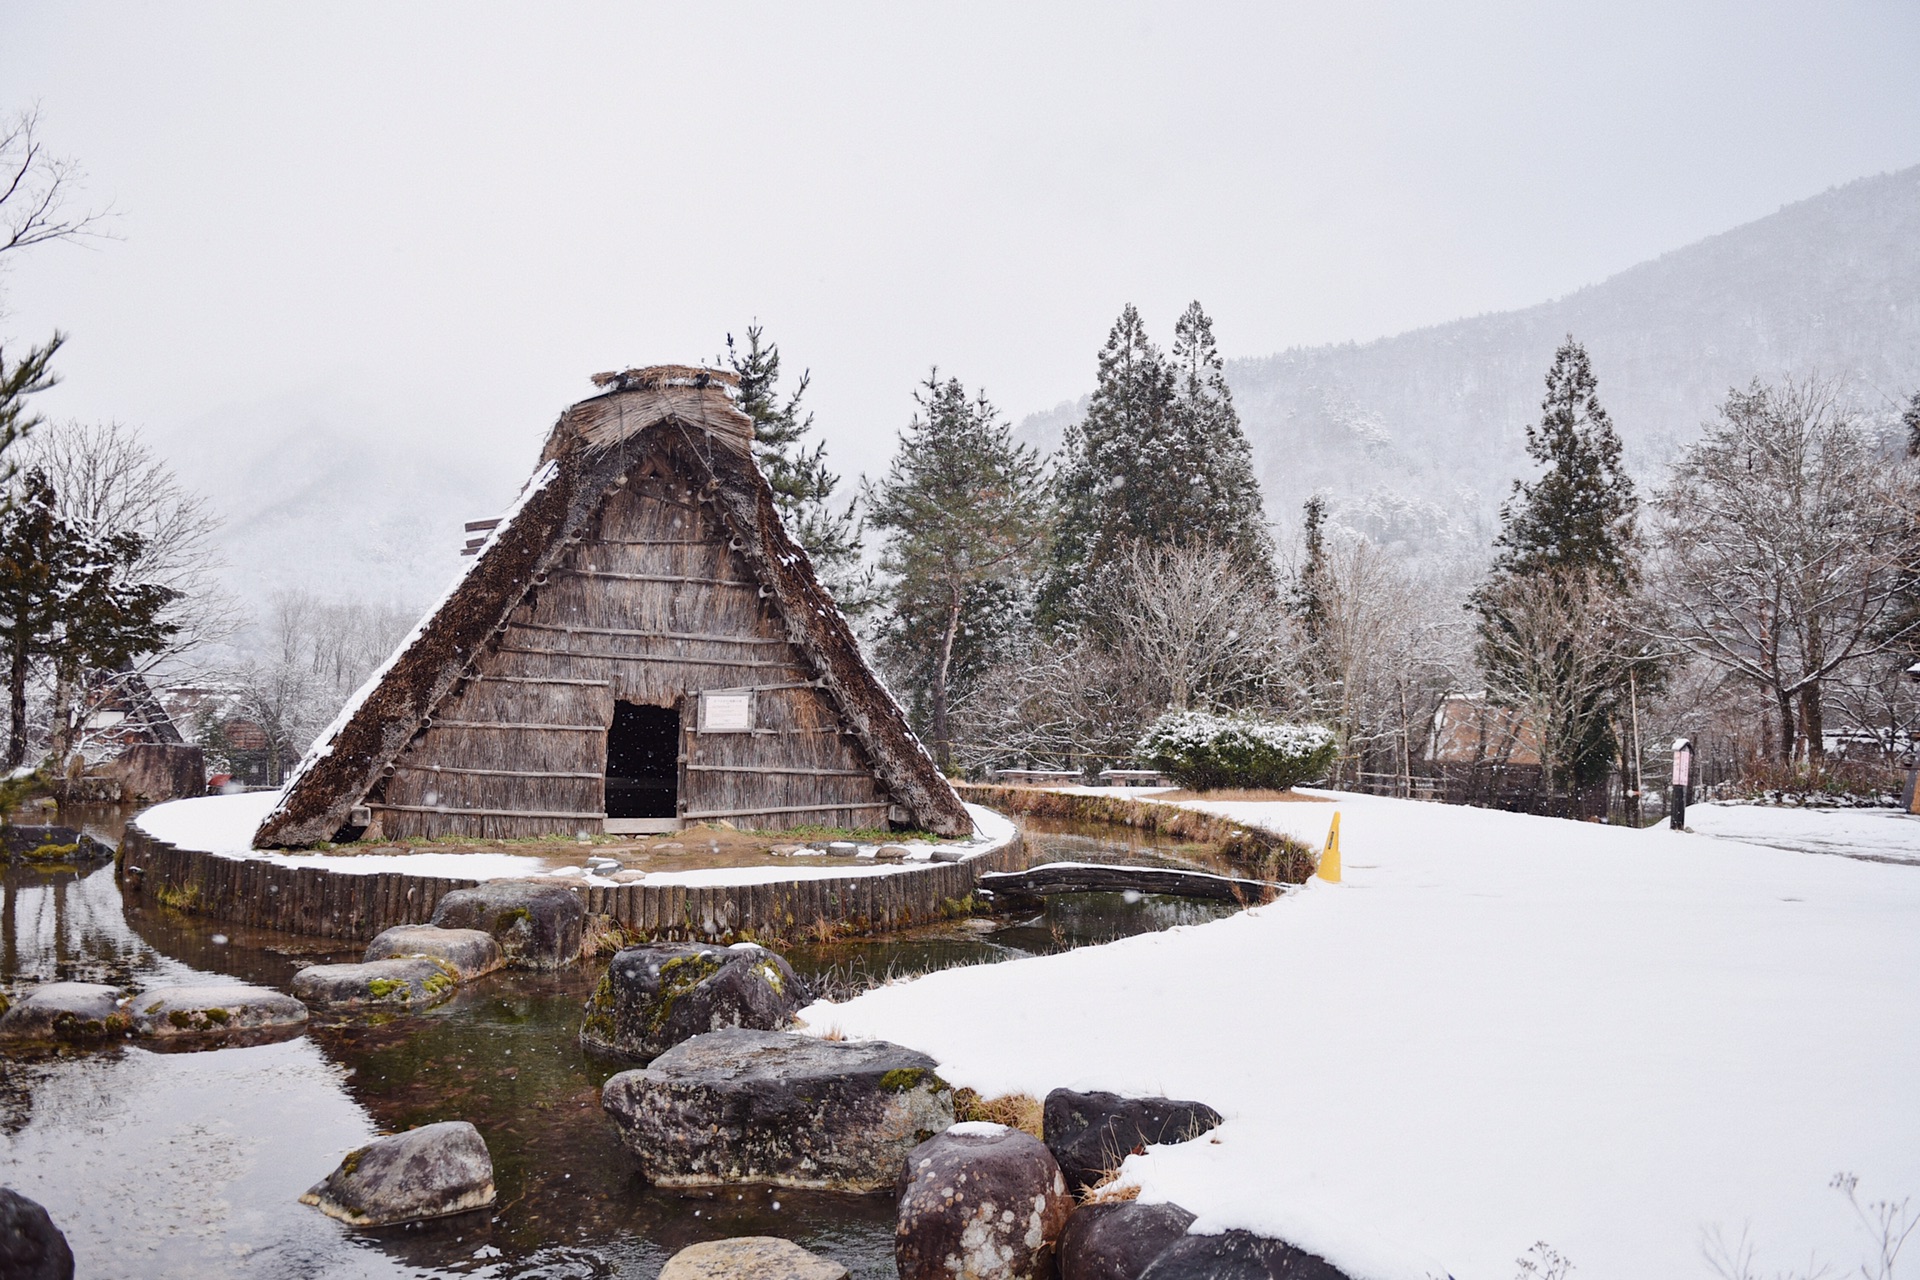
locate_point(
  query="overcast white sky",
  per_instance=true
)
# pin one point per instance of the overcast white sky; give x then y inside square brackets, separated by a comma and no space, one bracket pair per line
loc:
[456,213]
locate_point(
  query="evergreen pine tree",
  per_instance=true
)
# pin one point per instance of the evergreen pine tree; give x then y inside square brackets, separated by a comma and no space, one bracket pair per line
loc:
[802,483]
[1911,420]
[68,595]
[960,503]
[1217,492]
[1573,523]
[1579,513]
[1158,459]
[31,373]
[1308,599]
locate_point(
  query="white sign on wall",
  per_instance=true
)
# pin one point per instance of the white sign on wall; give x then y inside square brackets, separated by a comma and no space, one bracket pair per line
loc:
[726,711]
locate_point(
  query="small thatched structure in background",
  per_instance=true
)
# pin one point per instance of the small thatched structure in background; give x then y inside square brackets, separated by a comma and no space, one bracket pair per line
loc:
[637,644]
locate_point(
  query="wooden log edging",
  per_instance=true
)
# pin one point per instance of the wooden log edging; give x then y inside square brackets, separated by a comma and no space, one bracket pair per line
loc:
[1273,855]
[256,893]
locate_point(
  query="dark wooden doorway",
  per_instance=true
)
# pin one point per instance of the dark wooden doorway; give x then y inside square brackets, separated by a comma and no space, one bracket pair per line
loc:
[643,763]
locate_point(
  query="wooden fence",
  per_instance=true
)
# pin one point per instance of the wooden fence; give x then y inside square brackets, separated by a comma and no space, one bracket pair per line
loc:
[255,893]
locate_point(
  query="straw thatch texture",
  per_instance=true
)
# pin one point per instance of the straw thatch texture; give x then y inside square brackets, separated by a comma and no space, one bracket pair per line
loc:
[651,566]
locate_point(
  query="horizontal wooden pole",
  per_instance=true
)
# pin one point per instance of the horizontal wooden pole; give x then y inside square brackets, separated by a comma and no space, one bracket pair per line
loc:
[492,773]
[703,637]
[509,724]
[660,577]
[774,768]
[483,813]
[791,808]
[747,663]
[593,684]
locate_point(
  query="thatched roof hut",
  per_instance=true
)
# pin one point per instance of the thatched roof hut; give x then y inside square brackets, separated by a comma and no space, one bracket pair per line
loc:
[637,644]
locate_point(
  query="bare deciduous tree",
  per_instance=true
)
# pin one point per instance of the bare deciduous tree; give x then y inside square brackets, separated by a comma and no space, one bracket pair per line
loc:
[1385,651]
[1786,548]
[107,482]
[1564,644]
[1191,627]
[37,188]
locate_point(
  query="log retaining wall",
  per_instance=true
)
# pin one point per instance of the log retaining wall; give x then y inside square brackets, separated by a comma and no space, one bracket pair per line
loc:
[316,901]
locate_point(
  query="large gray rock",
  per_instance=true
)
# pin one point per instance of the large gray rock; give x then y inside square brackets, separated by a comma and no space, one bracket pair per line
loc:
[67,1011]
[770,1106]
[468,952]
[429,1172]
[51,846]
[537,924]
[653,997]
[982,1201]
[750,1258]
[1238,1255]
[414,983]
[1090,1133]
[31,1247]
[185,1011]
[1119,1241]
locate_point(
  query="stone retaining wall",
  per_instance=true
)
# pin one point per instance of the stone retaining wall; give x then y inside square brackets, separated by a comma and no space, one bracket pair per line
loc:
[332,904]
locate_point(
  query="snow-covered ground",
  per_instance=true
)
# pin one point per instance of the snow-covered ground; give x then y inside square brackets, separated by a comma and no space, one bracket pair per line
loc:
[1886,834]
[1499,1030]
[224,825]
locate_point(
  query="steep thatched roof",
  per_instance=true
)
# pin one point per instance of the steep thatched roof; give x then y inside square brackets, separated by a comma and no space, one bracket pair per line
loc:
[688,417]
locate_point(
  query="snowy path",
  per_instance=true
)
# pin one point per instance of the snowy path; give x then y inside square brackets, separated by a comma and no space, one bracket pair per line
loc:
[1500,1029]
[1881,835]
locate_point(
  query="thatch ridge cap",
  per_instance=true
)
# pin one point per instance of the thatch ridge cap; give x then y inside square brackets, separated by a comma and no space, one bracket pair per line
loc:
[665,375]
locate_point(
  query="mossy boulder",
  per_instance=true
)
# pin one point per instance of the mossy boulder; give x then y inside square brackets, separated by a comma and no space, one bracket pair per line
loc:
[167,1012]
[429,1172]
[468,952]
[980,1200]
[538,924]
[67,1011]
[32,845]
[413,982]
[653,997]
[776,1107]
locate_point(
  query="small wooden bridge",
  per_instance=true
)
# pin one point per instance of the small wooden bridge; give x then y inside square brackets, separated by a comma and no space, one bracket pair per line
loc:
[1099,877]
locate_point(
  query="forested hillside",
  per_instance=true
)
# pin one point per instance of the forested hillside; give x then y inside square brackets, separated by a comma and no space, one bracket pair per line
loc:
[1418,437]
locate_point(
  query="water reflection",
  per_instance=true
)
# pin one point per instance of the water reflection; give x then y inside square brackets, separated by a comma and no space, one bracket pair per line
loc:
[189,1164]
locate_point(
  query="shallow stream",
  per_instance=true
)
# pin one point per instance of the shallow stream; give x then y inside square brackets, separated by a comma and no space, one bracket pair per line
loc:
[189,1163]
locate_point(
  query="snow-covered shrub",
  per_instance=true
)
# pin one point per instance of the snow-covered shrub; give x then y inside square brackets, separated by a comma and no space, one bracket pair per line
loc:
[1205,752]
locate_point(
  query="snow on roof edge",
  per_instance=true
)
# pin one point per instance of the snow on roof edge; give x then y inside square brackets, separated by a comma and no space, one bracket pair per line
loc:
[323,744]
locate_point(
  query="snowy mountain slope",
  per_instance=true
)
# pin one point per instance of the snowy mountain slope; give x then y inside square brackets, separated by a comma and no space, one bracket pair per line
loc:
[1419,436]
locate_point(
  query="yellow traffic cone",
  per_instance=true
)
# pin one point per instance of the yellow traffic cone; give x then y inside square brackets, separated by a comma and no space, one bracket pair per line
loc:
[1330,856]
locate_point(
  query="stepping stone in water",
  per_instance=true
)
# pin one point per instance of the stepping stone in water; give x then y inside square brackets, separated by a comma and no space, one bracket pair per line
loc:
[772,1106]
[468,952]
[750,1258]
[429,1172]
[417,982]
[538,926]
[185,1011]
[67,1011]
[653,997]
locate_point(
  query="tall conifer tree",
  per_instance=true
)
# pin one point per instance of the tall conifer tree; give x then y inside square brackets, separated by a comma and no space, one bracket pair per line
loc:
[961,504]
[803,485]
[1571,533]
[1158,459]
